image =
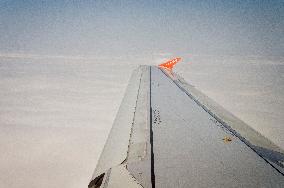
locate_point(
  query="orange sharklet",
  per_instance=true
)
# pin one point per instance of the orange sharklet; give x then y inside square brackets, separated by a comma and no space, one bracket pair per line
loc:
[170,63]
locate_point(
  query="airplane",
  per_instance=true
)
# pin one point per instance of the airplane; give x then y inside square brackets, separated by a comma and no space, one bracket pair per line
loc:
[169,134]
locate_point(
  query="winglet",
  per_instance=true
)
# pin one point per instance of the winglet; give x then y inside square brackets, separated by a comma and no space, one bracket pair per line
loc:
[170,64]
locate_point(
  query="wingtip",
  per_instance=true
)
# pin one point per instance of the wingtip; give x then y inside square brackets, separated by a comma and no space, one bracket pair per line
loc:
[170,64]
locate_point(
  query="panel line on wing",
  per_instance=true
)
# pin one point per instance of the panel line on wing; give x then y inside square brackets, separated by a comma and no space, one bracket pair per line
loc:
[151,136]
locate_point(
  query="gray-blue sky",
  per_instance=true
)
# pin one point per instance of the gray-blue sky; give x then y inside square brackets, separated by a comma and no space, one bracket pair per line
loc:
[115,28]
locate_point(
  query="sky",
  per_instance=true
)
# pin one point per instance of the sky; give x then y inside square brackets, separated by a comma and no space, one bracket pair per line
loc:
[142,28]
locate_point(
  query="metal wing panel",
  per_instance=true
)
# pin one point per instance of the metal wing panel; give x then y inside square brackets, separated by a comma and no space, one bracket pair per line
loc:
[116,147]
[193,149]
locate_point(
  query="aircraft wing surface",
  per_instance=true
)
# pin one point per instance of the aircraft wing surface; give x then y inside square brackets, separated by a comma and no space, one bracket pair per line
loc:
[168,134]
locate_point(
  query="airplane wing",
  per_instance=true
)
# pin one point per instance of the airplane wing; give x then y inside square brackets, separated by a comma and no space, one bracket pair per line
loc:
[168,134]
